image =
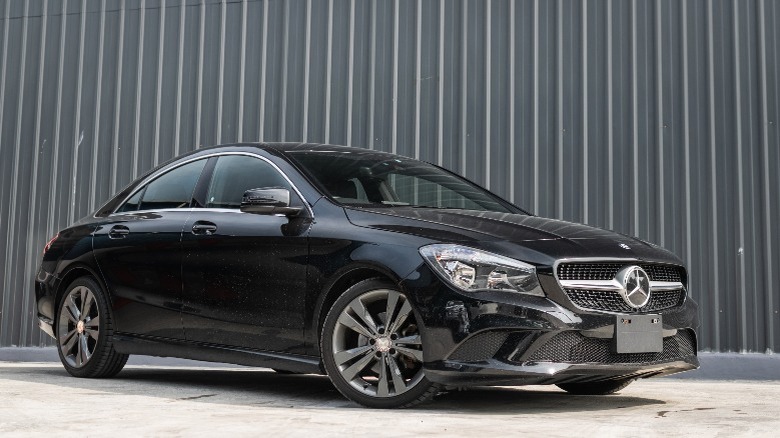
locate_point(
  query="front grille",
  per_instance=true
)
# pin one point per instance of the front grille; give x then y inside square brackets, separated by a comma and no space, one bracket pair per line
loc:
[608,271]
[573,347]
[612,301]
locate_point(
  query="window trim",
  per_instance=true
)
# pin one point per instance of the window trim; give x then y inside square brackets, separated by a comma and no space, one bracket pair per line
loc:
[164,171]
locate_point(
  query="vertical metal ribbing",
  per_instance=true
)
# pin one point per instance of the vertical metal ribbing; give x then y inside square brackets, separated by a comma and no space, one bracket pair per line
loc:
[221,78]
[179,71]
[285,60]
[417,84]
[512,145]
[740,183]
[199,98]
[440,85]
[635,121]
[78,135]
[54,181]
[585,158]
[610,125]
[488,87]
[263,74]
[659,93]
[10,237]
[535,169]
[3,68]
[687,141]
[96,130]
[714,175]
[118,99]
[139,87]
[158,87]
[396,14]
[307,72]
[372,78]
[770,267]
[329,71]
[242,73]
[559,102]
[351,70]
[31,222]
[464,55]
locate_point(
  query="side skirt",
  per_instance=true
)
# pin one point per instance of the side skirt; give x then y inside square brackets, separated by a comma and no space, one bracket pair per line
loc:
[165,347]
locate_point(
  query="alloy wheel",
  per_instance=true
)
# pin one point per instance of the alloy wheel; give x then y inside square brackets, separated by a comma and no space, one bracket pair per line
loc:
[79,326]
[376,344]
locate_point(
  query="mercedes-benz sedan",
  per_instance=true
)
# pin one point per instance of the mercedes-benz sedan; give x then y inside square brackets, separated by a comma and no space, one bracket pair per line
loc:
[394,277]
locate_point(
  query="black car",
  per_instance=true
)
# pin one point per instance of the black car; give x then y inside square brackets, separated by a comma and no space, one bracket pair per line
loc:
[394,277]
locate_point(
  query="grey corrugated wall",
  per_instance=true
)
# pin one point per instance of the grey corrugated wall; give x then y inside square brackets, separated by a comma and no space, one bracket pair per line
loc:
[654,118]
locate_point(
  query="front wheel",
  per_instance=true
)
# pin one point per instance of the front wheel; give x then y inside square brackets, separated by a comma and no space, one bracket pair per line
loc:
[85,331]
[372,349]
[595,388]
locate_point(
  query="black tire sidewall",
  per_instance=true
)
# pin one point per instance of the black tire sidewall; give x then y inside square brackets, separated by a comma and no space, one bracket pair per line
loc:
[421,392]
[93,366]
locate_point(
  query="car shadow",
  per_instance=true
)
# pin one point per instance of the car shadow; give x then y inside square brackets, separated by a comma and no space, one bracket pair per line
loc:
[247,387]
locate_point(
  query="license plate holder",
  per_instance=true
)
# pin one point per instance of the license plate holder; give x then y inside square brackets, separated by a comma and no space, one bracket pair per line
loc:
[638,334]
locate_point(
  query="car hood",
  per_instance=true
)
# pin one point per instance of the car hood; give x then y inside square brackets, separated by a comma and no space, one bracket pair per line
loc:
[528,237]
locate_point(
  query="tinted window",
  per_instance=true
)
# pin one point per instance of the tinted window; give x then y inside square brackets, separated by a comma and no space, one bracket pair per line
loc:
[235,174]
[171,190]
[383,180]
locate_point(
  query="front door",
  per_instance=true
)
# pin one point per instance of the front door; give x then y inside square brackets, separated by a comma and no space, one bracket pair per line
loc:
[244,274]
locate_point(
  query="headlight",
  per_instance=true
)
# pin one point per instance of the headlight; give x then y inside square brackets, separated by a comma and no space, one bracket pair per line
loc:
[472,270]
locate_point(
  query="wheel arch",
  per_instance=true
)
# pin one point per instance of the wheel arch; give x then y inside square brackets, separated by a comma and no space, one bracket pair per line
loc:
[72,274]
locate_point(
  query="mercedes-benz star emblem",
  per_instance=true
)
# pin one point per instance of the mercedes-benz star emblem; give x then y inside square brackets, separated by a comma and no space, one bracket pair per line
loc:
[636,286]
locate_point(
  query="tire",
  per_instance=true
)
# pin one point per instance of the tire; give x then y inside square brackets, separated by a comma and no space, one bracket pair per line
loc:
[371,359]
[85,331]
[595,388]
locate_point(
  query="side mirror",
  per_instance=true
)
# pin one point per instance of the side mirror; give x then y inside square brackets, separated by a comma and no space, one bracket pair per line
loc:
[268,201]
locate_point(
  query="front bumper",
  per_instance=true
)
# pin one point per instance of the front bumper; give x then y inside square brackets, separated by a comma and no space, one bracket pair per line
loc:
[501,338]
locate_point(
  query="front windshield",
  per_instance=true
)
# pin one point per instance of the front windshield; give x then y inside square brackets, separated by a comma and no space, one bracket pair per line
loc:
[367,179]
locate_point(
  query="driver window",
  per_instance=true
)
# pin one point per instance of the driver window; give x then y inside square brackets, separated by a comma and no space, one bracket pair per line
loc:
[235,174]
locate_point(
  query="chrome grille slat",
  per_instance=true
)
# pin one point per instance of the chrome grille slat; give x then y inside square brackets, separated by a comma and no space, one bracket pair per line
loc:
[593,286]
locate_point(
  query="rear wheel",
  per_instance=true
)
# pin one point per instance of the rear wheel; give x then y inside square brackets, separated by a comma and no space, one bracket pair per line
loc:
[595,388]
[372,350]
[85,331]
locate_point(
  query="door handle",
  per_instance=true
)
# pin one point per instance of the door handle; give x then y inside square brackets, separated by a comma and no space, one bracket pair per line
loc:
[204,228]
[118,232]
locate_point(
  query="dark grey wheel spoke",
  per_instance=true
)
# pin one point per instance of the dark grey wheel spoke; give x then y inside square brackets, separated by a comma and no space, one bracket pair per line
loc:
[383,386]
[410,340]
[347,320]
[398,381]
[87,300]
[85,354]
[68,341]
[392,303]
[79,354]
[399,320]
[93,323]
[345,356]
[360,310]
[357,367]
[73,310]
[91,333]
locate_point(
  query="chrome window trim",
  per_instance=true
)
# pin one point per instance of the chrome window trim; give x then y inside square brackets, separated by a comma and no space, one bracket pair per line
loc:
[162,172]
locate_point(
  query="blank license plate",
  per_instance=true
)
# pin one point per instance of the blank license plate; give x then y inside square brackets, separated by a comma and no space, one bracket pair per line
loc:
[639,334]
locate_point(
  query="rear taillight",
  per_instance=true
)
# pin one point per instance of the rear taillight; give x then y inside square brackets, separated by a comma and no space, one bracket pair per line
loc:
[50,243]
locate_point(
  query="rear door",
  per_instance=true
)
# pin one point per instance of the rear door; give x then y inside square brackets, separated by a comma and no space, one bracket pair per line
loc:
[244,274]
[139,253]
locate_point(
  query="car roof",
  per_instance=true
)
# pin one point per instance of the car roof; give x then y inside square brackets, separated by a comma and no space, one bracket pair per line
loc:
[284,147]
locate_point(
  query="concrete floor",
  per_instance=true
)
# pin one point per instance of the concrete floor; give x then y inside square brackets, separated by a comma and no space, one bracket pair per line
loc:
[40,398]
